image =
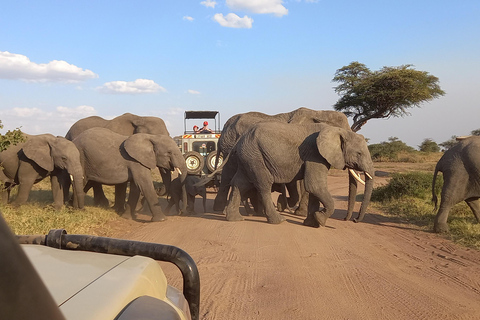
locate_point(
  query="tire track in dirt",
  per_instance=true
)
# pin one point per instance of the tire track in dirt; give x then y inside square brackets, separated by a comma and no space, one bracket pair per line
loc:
[377,269]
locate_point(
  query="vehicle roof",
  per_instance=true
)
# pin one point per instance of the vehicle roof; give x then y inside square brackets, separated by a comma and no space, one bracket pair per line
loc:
[200,114]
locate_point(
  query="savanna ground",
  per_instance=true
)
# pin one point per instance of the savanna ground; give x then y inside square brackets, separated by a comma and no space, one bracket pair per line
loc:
[381,268]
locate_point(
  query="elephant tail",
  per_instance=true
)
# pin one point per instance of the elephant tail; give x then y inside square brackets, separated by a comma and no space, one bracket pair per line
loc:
[434,194]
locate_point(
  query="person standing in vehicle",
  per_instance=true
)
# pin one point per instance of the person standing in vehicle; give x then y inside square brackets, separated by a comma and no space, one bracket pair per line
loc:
[205,128]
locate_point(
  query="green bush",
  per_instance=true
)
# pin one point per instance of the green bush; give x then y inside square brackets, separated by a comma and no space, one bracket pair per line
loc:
[407,196]
[411,184]
[388,151]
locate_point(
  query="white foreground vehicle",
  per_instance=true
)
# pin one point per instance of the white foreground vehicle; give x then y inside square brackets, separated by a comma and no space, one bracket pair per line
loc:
[119,280]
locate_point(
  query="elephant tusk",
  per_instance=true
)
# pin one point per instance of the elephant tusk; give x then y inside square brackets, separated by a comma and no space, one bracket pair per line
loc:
[368,175]
[71,178]
[179,171]
[356,176]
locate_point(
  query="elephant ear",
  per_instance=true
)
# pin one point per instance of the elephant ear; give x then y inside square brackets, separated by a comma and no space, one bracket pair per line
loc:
[330,143]
[140,148]
[37,149]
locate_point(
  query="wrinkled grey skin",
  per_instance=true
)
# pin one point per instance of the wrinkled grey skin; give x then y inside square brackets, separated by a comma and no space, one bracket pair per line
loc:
[113,159]
[264,156]
[42,156]
[461,175]
[238,124]
[192,191]
[126,124]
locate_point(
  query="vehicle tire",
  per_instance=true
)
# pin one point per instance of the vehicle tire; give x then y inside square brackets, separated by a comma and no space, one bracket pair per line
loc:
[194,162]
[211,161]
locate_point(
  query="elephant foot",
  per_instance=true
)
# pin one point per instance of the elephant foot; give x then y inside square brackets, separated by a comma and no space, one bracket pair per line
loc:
[321,217]
[276,219]
[119,209]
[348,217]
[441,228]
[281,203]
[233,215]
[159,218]
[310,221]
[126,215]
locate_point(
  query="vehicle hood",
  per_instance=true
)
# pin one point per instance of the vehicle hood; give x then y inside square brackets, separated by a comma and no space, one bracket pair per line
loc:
[88,285]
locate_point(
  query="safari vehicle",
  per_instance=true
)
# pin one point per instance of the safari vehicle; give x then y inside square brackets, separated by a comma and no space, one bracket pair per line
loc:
[92,278]
[200,149]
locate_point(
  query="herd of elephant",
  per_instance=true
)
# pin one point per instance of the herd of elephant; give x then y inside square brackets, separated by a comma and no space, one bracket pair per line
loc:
[289,151]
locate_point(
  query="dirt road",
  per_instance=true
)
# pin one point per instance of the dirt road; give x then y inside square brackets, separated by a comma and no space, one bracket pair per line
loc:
[377,269]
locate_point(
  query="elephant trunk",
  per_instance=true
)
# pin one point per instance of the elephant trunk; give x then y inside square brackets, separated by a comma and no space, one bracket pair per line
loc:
[166,180]
[352,193]
[366,197]
[178,163]
[183,176]
[78,194]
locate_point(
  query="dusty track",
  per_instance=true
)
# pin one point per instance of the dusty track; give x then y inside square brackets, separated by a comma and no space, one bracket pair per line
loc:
[377,269]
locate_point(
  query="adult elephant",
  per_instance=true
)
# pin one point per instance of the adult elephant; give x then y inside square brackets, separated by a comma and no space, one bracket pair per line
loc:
[266,155]
[238,124]
[460,166]
[38,157]
[113,159]
[126,124]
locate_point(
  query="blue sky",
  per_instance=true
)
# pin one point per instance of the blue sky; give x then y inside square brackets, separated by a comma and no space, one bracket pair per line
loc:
[61,61]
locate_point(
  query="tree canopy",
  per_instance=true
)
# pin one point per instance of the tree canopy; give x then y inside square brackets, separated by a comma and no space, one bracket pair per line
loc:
[10,138]
[388,92]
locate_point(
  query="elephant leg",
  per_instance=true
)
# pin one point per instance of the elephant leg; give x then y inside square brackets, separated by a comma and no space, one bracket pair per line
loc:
[474,204]
[204,201]
[99,198]
[228,173]
[25,185]
[191,203]
[302,208]
[143,181]
[450,196]
[247,207]
[132,201]
[57,192]
[440,223]
[239,186]
[270,211]
[352,192]
[316,185]
[120,196]
[258,208]
[170,204]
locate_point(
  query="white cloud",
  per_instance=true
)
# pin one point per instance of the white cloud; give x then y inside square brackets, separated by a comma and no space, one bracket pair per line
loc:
[209,3]
[132,87]
[193,91]
[38,121]
[259,6]
[19,67]
[188,18]
[231,20]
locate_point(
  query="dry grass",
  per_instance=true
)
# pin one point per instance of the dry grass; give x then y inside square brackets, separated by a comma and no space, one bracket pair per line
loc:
[38,215]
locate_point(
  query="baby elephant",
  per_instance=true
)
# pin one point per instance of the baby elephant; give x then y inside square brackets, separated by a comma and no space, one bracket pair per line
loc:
[192,191]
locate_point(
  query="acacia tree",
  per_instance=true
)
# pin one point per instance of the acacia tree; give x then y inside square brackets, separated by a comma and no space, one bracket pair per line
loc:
[10,138]
[385,93]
